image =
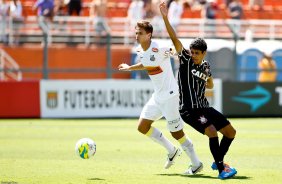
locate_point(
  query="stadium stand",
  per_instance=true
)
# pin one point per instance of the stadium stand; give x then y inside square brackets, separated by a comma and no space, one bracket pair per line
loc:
[80,29]
[272,9]
[9,68]
[115,8]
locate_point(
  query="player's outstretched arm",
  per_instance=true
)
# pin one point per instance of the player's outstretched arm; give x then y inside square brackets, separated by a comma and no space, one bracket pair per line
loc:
[177,44]
[126,67]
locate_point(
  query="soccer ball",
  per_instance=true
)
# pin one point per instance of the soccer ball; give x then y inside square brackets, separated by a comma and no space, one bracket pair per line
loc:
[85,148]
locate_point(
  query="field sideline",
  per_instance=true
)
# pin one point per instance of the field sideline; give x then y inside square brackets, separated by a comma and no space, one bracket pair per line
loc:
[41,151]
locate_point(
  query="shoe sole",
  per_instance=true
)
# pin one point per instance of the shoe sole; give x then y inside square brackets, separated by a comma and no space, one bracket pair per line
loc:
[229,176]
[191,172]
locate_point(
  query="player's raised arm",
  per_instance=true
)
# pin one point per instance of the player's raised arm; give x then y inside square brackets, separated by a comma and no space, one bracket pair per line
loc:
[126,67]
[177,44]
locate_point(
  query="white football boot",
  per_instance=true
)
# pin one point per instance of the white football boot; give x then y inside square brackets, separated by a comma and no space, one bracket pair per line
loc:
[171,157]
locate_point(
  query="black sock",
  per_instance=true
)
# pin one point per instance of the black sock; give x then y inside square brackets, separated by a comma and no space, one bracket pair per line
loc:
[224,146]
[215,150]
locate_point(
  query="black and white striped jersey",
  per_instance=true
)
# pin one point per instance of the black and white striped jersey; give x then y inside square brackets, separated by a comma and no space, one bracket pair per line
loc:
[192,82]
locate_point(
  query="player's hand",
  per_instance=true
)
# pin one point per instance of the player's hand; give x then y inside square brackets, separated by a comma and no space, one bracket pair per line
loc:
[163,9]
[123,67]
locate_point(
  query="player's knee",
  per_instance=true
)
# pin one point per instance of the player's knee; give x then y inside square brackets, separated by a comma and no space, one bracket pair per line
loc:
[177,135]
[211,131]
[230,133]
[143,129]
[140,129]
[233,132]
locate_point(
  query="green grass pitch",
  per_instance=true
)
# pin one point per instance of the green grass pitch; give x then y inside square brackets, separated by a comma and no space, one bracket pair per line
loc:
[36,151]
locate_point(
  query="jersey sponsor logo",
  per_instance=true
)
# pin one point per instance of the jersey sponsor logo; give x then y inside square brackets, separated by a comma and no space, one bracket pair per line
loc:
[199,74]
[154,49]
[255,98]
[153,70]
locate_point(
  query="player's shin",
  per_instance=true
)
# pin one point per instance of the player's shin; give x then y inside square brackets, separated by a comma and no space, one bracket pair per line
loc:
[216,153]
[224,145]
[188,148]
[159,138]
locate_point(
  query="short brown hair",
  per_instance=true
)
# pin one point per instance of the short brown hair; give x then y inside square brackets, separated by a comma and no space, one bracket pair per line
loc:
[146,25]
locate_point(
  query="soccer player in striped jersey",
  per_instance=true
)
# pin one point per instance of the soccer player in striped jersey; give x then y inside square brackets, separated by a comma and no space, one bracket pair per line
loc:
[155,59]
[194,77]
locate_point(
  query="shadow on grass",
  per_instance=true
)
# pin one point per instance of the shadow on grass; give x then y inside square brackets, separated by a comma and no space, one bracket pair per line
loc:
[206,176]
[190,176]
[100,179]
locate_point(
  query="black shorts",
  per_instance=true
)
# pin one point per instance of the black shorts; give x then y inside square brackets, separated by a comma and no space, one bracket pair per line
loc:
[200,119]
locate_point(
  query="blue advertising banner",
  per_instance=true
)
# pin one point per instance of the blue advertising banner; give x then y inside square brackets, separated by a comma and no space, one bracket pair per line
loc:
[252,99]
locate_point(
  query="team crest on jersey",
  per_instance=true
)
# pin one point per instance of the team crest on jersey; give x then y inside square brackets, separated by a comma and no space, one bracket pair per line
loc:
[155,49]
[202,119]
[152,58]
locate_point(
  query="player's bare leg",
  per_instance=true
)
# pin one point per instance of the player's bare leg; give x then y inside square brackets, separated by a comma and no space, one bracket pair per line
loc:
[145,127]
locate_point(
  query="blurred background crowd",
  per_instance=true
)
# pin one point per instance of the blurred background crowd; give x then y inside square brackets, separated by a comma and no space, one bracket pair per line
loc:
[139,9]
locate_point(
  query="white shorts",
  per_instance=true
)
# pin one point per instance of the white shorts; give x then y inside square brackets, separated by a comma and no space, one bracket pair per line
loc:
[154,110]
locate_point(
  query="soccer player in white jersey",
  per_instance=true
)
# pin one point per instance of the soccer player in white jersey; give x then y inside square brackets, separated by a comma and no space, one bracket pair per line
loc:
[164,101]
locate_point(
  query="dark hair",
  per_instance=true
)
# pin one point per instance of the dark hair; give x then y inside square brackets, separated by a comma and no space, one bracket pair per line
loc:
[146,25]
[199,44]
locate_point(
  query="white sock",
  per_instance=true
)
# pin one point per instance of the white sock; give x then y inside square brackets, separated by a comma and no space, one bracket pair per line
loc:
[158,137]
[187,146]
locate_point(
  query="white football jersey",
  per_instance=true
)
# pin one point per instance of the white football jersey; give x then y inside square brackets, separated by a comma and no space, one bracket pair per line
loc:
[156,60]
